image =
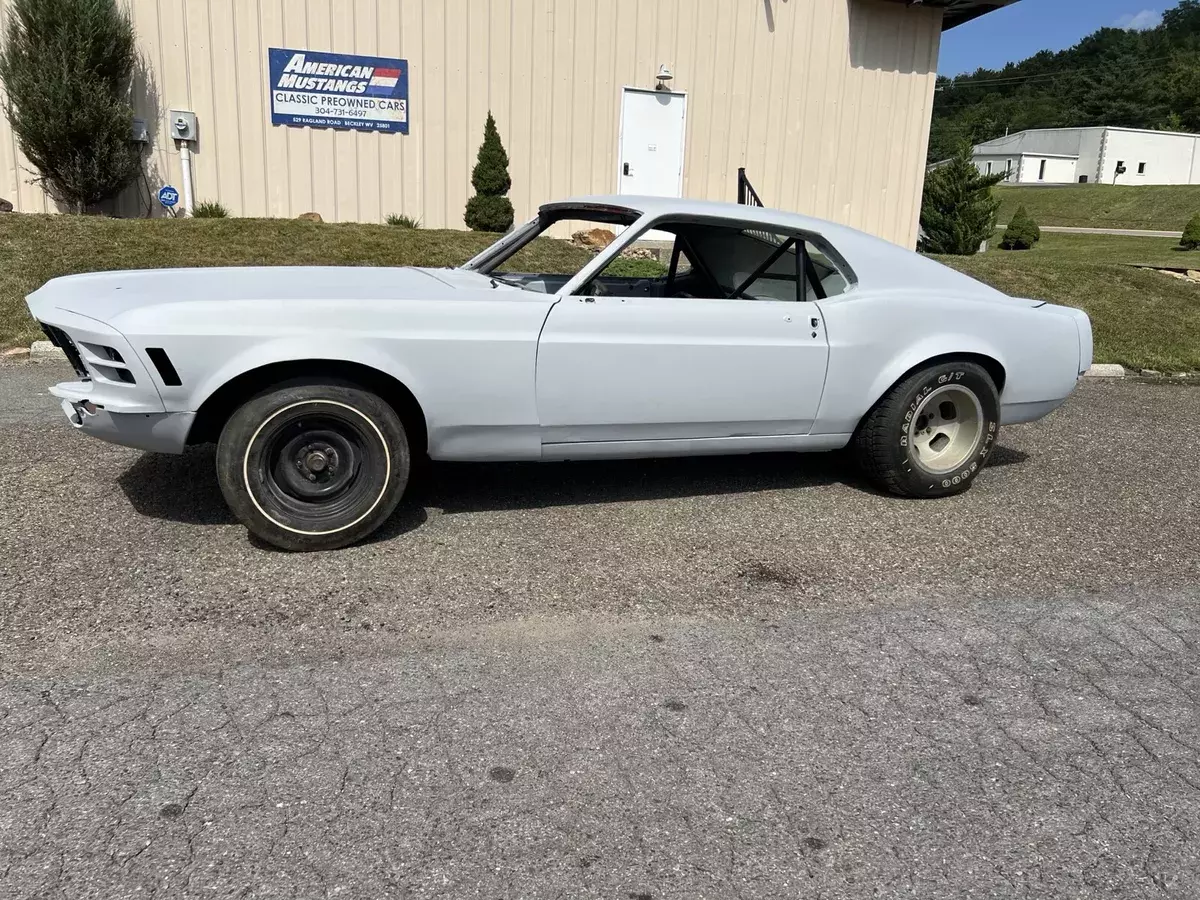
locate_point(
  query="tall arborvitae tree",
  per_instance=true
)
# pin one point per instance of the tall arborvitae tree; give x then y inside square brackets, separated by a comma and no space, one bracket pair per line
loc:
[66,67]
[958,211]
[489,209]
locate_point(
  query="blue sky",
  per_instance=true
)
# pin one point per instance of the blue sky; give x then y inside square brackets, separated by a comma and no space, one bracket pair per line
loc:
[1021,30]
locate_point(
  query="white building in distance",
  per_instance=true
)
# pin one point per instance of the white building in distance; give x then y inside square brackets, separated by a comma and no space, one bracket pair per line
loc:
[1092,155]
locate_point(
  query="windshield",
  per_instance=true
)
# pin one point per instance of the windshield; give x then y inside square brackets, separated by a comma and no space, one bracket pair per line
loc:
[526,259]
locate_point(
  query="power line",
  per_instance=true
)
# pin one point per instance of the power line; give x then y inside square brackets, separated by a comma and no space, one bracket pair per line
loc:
[1008,79]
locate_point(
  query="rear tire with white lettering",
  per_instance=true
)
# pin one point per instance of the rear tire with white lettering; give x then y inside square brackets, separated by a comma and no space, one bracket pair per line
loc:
[930,435]
[313,466]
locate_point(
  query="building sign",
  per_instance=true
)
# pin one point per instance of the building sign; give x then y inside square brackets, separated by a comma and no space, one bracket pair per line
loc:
[332,90]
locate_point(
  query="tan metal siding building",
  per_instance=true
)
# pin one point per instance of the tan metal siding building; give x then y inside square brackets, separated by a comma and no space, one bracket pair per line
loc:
[826,103]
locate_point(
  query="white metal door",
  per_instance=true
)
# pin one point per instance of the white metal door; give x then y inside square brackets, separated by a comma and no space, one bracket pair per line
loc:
[650,151]
[663,368]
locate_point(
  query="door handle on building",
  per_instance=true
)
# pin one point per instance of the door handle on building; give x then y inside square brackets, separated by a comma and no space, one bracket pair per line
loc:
[625,169]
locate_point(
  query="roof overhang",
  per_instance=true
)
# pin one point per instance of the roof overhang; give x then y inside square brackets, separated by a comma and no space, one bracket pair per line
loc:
[959,11]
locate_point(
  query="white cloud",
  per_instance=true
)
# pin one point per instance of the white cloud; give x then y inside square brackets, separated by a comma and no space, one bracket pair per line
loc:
[1141,21]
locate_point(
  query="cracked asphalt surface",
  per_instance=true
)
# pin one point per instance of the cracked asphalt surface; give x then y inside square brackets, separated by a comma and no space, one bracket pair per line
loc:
[743,677]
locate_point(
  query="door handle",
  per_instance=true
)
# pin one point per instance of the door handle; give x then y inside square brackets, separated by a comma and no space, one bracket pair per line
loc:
[625,169]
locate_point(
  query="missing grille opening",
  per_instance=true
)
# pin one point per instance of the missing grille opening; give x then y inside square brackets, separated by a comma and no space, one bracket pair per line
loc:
[63,342]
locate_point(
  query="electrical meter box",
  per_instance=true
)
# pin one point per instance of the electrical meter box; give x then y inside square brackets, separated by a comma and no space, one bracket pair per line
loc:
[183,125]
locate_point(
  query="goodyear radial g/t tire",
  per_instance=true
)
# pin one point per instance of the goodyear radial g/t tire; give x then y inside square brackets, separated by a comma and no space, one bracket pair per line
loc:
[930,435]
[313,466]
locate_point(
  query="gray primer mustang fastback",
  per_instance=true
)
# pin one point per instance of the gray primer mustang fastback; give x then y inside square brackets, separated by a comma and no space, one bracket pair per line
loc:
[546,367]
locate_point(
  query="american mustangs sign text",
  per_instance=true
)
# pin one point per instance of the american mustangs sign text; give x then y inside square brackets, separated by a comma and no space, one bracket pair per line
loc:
[331,90]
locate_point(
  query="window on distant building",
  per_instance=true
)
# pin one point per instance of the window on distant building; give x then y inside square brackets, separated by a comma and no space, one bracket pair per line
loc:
[1042,171]
[989,168]
[1141,168]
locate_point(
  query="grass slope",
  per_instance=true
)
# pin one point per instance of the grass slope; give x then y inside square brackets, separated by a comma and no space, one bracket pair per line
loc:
[1141,319]
[34,249]
[1151,207]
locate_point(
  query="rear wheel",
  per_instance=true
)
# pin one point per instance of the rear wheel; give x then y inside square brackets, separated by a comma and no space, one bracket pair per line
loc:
[931,434]
[313,466]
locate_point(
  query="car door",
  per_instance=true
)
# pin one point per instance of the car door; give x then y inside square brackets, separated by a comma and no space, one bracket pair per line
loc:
[646,368]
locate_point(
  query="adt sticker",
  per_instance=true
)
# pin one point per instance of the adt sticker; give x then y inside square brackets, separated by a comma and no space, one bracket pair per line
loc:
[168,196]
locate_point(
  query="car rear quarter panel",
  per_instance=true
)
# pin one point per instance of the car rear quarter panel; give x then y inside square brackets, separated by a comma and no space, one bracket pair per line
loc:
[875,338]
[469,362]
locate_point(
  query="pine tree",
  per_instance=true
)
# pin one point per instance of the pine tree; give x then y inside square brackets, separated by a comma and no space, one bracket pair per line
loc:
[489,209]
[958,211]
[66,67]
[1191,234]
[1022,232]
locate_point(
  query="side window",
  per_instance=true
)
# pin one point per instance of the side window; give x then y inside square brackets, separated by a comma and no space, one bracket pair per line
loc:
[833,282]
[723,262]
[683,266]
[756,264]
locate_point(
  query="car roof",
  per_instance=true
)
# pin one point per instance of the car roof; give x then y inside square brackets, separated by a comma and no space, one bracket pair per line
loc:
[876,263]
[686,206]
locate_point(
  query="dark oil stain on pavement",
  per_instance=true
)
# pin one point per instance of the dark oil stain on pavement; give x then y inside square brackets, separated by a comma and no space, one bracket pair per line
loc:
[502,774]
[643,895]
[171,811]
[675,705]
[814,843]
[766,573]
[972,700]
[657,638]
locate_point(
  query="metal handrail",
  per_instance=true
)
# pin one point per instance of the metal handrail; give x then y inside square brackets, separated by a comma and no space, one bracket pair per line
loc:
[745,190]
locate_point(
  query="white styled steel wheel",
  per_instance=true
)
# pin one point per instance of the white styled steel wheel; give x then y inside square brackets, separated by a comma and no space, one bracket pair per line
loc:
[313,466]
[930,435]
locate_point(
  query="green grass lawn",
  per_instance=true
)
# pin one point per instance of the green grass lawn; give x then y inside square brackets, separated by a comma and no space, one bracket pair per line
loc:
[1141,319]
[34,249]
[1150,207]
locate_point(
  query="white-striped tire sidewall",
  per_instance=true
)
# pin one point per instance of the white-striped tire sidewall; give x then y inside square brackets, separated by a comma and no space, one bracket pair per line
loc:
[254,438]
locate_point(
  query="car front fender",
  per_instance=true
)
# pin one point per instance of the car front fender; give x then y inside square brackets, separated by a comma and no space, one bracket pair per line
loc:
[298,349]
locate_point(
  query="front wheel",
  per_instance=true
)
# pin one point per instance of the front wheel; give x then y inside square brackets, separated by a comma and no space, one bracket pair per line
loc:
[931,434]
[313,466]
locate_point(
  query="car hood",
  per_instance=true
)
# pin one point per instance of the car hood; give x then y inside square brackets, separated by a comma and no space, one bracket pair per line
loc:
[105,295]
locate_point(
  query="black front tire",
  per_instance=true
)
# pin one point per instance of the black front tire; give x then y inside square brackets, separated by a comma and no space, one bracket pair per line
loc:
[884,444]
[313,466]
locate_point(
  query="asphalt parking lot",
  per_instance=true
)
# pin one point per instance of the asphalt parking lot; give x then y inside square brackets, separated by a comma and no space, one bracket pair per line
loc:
[746,677]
